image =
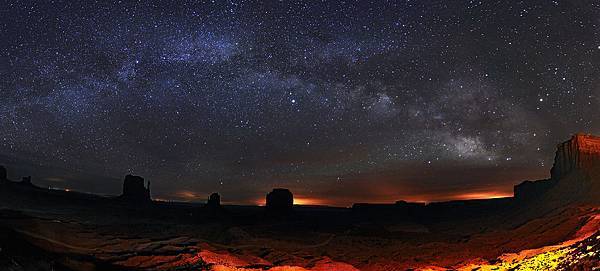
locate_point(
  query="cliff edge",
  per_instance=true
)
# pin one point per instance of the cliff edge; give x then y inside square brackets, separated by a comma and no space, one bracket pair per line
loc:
[575,175]
[580,153]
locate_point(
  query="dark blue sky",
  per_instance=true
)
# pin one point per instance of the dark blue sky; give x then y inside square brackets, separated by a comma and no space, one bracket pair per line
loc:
[338,101]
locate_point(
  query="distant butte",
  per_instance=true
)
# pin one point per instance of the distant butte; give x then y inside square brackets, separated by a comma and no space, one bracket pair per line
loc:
[581,152]
[574,175]
[134,190]
[280,200]
[214,200]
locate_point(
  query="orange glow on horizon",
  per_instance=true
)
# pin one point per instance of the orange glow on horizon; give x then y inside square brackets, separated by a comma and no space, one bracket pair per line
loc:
[308,201]
[459,196]
[190,196]
[299,200]
[483,195]
[187,195]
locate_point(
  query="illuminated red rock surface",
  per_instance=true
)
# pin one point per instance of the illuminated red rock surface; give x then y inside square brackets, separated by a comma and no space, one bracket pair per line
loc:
[575,175]
[581,152]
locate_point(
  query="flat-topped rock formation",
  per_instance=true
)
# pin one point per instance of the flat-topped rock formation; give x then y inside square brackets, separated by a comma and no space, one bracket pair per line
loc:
[280,200]
[134,189]
[575,174]
[581,152]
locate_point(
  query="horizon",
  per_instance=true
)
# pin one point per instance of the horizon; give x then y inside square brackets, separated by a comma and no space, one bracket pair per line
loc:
[194,198]
[199,198]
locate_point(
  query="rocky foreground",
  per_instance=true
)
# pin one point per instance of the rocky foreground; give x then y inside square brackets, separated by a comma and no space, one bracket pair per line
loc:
[73,240]
[564,240]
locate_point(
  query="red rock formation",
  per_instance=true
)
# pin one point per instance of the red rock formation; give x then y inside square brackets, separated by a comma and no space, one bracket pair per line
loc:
[575,174]
[581,152]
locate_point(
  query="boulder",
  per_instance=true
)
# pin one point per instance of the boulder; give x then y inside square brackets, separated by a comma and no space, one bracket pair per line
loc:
[280,200]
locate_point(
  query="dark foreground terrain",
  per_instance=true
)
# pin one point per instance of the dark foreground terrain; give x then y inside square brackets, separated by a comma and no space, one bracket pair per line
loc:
[56,230]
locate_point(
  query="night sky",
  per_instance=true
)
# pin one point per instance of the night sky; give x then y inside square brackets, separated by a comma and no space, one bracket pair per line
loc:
[339,101]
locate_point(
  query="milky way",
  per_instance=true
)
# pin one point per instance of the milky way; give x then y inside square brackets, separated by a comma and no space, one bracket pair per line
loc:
[339,101]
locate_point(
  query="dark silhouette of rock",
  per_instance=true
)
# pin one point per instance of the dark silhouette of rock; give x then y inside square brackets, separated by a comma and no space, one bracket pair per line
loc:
[280,200]
[214,200]
[3,175]
[26,180]
[134,189]
[398,206]
[403,203]
[532,189]
[575,174]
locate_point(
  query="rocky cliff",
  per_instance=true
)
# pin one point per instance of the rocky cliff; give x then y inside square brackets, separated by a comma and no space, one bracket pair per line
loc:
[581,152]
[575,174]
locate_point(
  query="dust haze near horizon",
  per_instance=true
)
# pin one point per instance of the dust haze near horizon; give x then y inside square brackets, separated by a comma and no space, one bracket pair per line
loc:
[340,102]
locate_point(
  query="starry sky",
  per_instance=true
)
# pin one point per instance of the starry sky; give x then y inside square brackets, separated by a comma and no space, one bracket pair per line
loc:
[339,101]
